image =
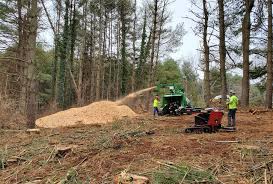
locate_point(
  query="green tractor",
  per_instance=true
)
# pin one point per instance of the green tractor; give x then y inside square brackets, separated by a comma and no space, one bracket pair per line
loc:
[173,100]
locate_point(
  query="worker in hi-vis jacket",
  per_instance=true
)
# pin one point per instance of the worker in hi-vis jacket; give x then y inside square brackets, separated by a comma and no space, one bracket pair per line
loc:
[232,108]
[155,105]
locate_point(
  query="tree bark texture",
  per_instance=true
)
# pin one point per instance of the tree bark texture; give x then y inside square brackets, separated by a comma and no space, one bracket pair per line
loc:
[31,101]
[63,60]
[222,50]
[249,4]
[207,95]
[151,71]
[99,61]
[269,80]
[133,78]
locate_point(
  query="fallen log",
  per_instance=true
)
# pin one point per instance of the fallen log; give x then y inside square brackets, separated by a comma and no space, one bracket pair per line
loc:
[256,111]
[35,130]
[126,178]
[34,182]
[228,141]
[16,159]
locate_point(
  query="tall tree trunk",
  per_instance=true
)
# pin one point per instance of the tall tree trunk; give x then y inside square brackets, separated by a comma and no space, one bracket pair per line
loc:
[133,78]
[159,32]
[63,59]
[151,71]
[222,50]
[73,36]
[147,51]
[78,89]
[56,52]
[104,55]
[32,104]
[22,37]
[99,62]
[124,62]
[117,70]
[54,68]
[249,4]
[140,67]
[20,27]
[269,80]
[109,87]
[80,99]
[153,36]
[206,55]
[92,59]
[21,31]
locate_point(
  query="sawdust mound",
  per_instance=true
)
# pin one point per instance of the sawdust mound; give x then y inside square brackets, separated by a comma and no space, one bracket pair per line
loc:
[96,113]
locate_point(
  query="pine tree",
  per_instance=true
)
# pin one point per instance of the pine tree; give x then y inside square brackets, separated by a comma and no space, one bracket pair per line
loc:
[269,81]
[222,50]
[206,54]
[249,4]
[63,59]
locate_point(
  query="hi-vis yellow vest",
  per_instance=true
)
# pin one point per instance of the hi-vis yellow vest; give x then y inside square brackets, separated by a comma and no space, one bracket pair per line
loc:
[155,103]
[233,102]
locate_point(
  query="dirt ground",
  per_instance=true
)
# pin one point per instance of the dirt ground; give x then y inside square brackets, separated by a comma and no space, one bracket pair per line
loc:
[139,146]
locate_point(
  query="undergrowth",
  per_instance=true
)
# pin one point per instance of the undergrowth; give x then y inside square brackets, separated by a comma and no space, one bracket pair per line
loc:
[3,158]
[71,177]
[10,117]
[177,174]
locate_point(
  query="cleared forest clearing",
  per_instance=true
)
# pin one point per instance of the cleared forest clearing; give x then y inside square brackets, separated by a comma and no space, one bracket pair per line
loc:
[80,58]
[142,146]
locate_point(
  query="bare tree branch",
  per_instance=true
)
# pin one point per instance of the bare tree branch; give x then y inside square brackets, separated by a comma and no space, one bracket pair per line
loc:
[48,17]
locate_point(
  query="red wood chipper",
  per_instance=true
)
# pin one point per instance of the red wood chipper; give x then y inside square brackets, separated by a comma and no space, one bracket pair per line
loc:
[208,122]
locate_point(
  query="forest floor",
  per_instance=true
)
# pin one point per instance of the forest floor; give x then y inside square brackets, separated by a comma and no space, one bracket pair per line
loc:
[144,146]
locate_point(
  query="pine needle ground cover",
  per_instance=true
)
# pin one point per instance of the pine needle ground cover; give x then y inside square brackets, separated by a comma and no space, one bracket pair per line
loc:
[182,173]
[156,148]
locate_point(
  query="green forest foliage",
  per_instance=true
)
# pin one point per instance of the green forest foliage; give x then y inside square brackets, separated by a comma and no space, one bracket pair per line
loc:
[192,84]
[43,60]
[234,83]
[169,72]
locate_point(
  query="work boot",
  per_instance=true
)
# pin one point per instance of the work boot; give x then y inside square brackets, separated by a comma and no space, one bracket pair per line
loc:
[229,121]
[233,122]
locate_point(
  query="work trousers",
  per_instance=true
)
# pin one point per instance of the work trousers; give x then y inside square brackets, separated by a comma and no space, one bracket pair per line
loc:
[156,111]
[231,117]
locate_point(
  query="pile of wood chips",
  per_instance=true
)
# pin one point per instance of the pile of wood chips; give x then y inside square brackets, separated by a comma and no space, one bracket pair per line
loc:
[96,113]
